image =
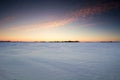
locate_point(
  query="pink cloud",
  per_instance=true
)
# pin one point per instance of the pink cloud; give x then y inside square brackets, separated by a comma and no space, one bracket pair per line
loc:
[71,17]
[86,12]
[6,19]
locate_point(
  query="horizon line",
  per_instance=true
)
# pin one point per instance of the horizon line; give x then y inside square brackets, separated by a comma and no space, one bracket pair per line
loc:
[64,41]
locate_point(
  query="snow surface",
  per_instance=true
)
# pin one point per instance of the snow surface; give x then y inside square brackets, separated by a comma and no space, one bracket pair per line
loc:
[59,61]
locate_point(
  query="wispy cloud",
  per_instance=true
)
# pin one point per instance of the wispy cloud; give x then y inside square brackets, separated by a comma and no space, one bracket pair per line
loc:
[49,24]
[82,13]
[6,19]
[86,12]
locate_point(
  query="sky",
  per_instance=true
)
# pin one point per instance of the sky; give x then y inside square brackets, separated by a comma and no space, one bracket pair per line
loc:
[60,20]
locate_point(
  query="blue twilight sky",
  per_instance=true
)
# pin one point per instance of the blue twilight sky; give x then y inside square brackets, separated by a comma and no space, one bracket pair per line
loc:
[51,20]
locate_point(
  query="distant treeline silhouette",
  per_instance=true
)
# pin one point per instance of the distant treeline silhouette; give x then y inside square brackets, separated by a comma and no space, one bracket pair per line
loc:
[69,41]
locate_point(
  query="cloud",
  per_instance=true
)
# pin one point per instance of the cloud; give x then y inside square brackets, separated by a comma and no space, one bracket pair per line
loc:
[6,19]
[57,23]
[50,24]
[86,12]
[82,13]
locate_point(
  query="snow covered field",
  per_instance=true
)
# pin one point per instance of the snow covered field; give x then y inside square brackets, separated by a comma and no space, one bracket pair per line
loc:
[59,61]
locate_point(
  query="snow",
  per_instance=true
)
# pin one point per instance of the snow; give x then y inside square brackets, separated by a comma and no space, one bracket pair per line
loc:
[59,61]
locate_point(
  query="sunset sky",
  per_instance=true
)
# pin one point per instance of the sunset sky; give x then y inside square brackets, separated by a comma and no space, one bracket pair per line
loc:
[59,20]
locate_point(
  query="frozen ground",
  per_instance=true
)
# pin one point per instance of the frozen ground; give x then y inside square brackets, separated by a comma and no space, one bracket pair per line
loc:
[59,61]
